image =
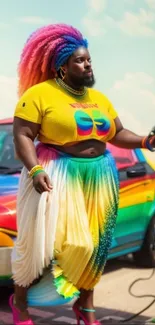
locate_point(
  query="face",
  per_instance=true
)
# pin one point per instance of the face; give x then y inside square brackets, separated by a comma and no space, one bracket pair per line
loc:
[78,69]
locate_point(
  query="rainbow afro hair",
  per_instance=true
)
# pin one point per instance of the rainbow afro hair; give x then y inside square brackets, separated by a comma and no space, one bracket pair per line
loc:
[46,50]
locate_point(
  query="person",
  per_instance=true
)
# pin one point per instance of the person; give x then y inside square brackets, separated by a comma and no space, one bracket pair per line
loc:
[69,189]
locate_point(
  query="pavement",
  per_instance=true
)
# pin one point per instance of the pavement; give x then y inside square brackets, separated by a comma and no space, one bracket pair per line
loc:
[114,304]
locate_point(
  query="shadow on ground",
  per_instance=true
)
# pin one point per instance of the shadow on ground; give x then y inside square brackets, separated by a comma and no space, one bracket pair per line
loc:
[64,314]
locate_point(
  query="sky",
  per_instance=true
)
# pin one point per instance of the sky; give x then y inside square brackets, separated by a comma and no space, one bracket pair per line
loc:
[121,35]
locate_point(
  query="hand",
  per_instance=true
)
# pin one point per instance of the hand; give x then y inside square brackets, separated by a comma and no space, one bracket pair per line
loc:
[152,137]
[152,141]
[42,183]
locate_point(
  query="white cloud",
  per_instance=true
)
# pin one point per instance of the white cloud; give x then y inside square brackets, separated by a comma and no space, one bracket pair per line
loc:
[92,21]
[8,96]
[93,26]
[36,20]
[131,2]
[151,3]
[137,79]
[3,25]
[97,5]
[97,22]
[135,101]
[137,24]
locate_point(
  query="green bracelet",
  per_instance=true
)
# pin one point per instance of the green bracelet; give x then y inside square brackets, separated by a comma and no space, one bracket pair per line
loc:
[38,172]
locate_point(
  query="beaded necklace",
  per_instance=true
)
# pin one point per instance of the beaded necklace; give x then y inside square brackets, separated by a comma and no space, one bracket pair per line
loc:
[69,89]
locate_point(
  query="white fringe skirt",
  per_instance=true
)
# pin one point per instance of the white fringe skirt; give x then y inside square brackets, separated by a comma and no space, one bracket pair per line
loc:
[68,229]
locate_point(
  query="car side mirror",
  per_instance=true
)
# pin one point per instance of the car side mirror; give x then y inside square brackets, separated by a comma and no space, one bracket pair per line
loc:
[138,170]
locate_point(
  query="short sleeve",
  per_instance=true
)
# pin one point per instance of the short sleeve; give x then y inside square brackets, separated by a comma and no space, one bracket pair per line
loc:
[112,111]
[28,107]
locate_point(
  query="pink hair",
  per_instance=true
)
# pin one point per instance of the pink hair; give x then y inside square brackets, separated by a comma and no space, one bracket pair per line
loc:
[45,51]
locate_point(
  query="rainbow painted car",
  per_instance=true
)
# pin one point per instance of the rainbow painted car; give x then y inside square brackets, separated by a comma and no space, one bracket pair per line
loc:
[135,229]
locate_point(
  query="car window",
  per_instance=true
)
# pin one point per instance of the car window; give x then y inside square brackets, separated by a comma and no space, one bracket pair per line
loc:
[7,157]
[124,157]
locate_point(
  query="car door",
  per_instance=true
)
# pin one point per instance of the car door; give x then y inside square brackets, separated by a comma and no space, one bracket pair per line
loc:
[133,198]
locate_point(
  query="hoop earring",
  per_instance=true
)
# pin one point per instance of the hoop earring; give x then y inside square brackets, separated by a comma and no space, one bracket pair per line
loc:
[56,75]
[62,73]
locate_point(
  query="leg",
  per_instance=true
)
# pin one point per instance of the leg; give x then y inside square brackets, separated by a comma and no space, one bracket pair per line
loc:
[101,200]
[20,302]
[86,301]
[86,298]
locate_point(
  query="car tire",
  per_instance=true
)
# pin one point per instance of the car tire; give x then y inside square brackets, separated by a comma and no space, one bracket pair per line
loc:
[146,256]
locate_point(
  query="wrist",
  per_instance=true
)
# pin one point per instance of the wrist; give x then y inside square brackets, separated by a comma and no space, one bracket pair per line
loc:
[35,170]
[146,144]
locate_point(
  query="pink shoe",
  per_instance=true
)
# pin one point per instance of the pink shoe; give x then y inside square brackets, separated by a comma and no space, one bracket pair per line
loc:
[16,312]
[79,316]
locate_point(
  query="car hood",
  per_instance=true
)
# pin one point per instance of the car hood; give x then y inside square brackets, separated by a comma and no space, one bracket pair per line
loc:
[8,184]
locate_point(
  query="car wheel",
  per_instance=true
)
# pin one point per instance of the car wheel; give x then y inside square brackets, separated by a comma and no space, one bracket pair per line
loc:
[146,256]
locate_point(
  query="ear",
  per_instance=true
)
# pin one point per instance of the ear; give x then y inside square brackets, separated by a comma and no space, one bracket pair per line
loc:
[64,68]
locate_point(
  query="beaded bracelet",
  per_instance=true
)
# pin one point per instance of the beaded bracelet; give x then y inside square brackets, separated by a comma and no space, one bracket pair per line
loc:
[146,144]
[34,170]
[37,172]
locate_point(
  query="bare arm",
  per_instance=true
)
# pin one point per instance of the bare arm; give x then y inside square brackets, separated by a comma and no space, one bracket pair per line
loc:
[125,138]
[24,134]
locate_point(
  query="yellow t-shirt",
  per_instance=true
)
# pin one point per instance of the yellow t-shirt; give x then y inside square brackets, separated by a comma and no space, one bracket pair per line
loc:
[65,119]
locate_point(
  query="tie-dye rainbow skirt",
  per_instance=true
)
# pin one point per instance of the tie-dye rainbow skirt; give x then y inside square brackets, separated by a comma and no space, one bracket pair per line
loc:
[64,236]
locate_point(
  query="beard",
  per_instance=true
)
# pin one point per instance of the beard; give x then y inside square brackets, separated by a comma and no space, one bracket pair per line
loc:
[84,81]
[89,81]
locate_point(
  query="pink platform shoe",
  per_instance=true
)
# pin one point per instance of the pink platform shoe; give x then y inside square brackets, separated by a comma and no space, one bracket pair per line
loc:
[16,312]
[79,316]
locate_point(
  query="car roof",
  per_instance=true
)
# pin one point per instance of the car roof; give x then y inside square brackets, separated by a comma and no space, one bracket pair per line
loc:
[6,121]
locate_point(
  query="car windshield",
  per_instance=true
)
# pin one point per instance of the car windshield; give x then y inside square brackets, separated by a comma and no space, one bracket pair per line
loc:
[7,155]
[124,158]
